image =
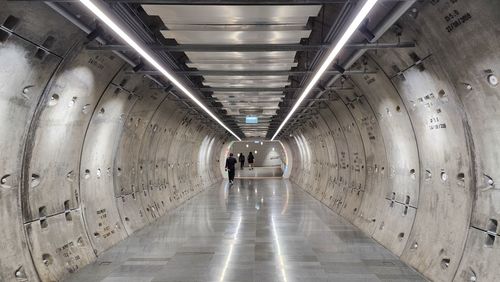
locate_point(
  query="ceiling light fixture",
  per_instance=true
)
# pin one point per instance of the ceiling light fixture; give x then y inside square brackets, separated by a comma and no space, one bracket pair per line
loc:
[367,7]
[150,59]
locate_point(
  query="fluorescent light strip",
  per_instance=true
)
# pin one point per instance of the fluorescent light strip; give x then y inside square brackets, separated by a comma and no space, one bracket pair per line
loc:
[367,7]
[104,18]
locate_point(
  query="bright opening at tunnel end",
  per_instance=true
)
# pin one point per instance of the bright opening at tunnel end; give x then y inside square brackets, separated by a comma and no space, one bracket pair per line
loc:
[365,10]
[150,59]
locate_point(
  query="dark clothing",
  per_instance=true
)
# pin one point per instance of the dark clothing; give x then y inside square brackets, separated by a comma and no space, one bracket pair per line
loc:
[231,174]
[250,159]
[230,162]
[242,160]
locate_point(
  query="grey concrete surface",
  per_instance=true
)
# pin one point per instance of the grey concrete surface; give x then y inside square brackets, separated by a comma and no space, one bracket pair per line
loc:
[256,230]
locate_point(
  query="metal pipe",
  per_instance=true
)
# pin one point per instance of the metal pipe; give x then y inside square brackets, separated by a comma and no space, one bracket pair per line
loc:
[251,47]
[399,9]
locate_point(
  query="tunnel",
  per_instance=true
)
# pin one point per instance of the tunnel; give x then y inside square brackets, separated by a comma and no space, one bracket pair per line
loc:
[374,126]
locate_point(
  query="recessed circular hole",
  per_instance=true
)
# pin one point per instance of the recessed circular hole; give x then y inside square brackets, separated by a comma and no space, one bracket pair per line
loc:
[69,176]
[4,180]
[87,174]
[35,180]
[441,93]
[401,236]
[127,219]
[444,176]
[461,177]
[86,109]
[445,263]
[72,102]
[54,99]
[47,259]
[398,108]
[101,111]
[428,174]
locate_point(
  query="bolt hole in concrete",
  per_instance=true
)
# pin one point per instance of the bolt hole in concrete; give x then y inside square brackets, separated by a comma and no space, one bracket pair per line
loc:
[47,259]
[54,99]
[428,175]
[69,176]
[35,180]
[72,102]
[4,180]
[490,240]
[85,109]
[20,273]
[445,263]
[86,175]
[461,179]
[42,211]
[68,216]
[444,176]
[401,236]
[492,225]
[441,93]
[398,108]
[412,173]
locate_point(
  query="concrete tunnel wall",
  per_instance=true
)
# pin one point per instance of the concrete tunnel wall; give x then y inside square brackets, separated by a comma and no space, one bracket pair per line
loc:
[91,154]
[410,154]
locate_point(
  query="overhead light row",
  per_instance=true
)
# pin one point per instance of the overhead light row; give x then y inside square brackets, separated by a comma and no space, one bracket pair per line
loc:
[367,7]
[146,54]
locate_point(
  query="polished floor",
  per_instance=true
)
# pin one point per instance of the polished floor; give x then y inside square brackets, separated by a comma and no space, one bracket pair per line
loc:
[257,230]
[259,172]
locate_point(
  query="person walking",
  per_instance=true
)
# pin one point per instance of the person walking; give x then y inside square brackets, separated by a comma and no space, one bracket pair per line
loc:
[242,160]
[250,159]
[230,162]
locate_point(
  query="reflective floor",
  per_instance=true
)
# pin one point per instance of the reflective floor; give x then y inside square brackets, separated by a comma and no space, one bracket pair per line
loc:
[259,172]
[258,230]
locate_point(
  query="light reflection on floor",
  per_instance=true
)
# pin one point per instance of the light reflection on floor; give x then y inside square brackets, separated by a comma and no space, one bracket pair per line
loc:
[256,230]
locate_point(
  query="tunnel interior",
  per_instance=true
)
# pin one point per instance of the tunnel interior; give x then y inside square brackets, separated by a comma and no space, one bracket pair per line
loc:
[402,143]
[270,159]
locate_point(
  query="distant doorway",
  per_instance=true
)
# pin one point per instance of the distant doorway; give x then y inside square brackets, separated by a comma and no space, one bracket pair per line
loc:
[269,159]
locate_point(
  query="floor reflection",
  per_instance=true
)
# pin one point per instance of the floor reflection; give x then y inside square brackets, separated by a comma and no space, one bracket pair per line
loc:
[255,230]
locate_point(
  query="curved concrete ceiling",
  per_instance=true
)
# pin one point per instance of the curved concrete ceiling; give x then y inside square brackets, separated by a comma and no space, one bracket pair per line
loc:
[408,153]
